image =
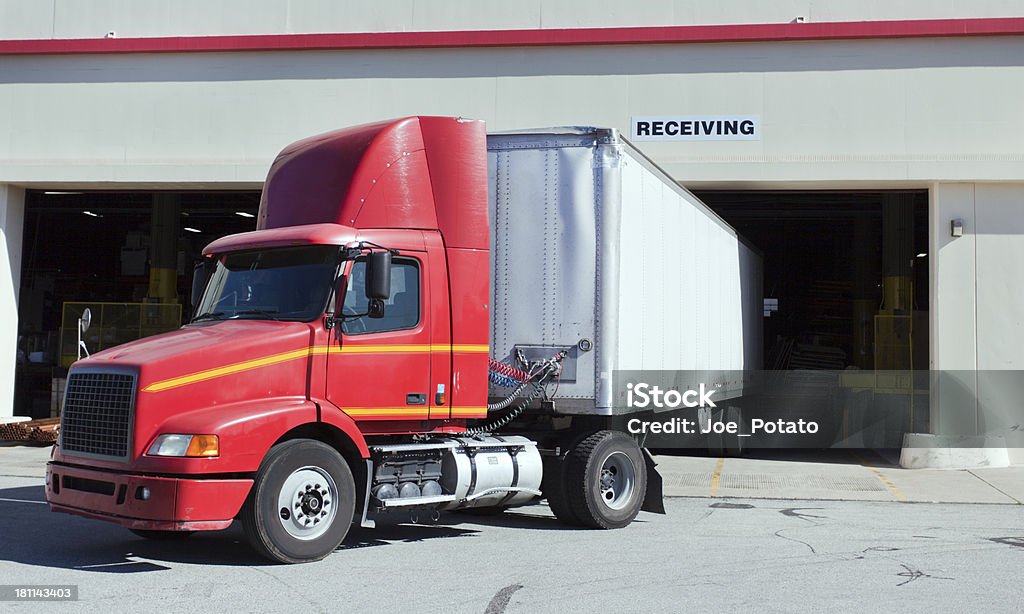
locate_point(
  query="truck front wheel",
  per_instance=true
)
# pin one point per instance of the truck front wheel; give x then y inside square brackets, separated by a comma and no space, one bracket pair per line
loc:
[605,480]
[301,504]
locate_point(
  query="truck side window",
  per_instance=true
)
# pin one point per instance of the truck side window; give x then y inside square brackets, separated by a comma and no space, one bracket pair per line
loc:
[401,310]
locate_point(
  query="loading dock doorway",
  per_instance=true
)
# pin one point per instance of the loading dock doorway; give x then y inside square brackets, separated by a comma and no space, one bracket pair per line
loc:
[126,255]
[846,295]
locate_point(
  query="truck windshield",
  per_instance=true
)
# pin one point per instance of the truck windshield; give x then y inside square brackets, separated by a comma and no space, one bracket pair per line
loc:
[286,283]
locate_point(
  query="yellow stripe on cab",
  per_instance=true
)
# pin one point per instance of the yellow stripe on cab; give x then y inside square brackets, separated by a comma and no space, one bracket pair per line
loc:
[273,359]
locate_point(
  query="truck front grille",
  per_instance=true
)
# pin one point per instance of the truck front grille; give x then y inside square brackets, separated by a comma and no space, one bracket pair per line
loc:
[97,416]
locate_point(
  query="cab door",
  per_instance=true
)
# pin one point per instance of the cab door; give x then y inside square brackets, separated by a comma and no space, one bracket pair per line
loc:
[378,369]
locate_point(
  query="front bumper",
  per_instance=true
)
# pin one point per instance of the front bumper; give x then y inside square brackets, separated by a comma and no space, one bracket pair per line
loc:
[174,504]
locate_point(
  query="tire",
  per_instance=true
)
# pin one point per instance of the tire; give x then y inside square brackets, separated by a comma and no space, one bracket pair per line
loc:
[554,488]
[300,484]
[606,480]
[166,536]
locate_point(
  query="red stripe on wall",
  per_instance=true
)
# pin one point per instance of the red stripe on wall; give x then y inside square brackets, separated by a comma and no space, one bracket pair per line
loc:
[749,33]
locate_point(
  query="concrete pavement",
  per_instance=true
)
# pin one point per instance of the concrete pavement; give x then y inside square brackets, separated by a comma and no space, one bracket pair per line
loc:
[713,555]
[834,475]
[728,543]
[18,460]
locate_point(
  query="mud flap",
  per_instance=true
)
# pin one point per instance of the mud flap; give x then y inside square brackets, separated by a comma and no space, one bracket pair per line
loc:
[366,522]
[654,501]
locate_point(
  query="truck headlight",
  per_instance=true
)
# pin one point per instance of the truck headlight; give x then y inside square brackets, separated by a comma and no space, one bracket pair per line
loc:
[204,446]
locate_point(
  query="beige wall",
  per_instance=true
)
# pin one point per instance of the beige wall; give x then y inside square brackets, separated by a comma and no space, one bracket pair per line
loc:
[836,113]
[977,308]
[12,214]
[978,297]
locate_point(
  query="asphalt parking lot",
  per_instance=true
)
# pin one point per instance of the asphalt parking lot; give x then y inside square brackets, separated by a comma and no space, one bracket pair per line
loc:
[707,554]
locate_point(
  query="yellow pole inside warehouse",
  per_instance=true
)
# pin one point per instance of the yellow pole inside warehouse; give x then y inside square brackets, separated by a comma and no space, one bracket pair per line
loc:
[865,294]
[163,260]
[897,253]
[894,322]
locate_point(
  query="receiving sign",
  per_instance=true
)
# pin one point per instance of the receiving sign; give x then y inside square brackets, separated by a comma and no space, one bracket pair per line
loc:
[696,128]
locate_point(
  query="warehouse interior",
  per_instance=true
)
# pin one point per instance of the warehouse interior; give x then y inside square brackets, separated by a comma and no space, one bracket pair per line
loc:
[128,256]
[845,275]
[846,305]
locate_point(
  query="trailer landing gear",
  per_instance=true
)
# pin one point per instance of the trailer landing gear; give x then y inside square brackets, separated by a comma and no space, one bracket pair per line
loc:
[729,444]
[601,483]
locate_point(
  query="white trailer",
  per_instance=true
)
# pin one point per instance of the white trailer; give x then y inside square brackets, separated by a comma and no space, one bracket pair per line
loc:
[597,251]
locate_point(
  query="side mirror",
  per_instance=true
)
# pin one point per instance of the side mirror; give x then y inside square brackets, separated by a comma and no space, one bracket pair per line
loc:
[378,276]
[86,320]
[83,325]
[375,308]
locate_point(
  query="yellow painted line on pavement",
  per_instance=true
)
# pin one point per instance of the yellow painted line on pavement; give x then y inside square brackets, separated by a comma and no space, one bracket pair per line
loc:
[716,476]
[881,476]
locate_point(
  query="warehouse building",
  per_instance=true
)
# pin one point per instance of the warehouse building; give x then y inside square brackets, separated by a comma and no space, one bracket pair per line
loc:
[873,152]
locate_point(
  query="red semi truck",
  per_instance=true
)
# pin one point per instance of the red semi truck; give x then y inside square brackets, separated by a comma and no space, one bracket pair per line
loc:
[368,349]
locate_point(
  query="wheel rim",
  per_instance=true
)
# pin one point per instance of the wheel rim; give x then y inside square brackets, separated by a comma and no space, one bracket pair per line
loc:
[307,503]
[618,478]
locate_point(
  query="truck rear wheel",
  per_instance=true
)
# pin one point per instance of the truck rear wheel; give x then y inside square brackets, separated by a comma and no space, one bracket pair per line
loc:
[555,491]
[301,504]
[605,480]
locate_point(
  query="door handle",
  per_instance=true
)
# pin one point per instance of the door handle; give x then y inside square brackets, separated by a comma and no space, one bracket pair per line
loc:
[416,398]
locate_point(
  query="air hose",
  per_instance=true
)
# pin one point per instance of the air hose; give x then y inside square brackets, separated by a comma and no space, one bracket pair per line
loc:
[510,399]
[510,416]
[503,381]
[508,376]
[496,367]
